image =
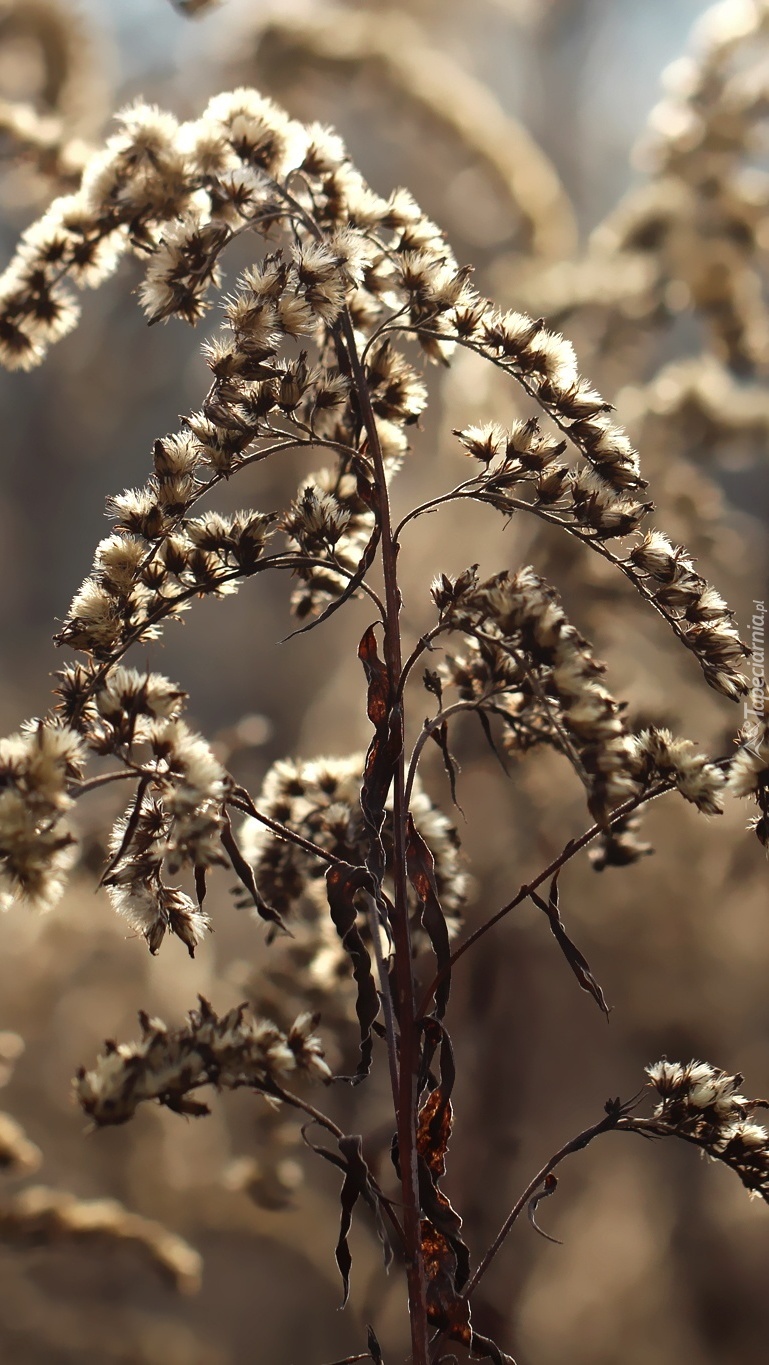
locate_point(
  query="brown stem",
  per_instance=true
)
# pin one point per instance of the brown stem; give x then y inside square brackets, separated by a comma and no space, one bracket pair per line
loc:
[91,783]
[429,727]
[611,1120]
[241,800]
[424,642]
[408,1038]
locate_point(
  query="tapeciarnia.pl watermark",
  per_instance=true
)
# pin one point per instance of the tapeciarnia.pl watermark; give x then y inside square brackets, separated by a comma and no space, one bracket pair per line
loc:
[755,702]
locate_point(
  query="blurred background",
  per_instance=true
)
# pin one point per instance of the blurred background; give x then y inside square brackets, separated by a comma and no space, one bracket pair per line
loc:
[633,213]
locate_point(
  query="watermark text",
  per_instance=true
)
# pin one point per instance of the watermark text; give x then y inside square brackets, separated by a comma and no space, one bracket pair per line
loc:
[755,702]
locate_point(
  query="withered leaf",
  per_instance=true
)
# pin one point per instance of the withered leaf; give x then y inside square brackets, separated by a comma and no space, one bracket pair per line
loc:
[377,678]
[342,883]
[440,737]
[200,885]
[128,832]
[357,1184]
[433,1135]
[548,1187]
[445,1220]
[374,1349]
[350,588]
[245,874]
[435,1034]
[486,1349]
[420,866]
[447,1310]
[486,727]
[384,749]
[576,960]
[434,1131]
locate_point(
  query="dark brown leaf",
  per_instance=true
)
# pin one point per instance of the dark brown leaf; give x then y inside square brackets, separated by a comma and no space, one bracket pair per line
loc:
[441,738]
[433,1136]
[446,1309]
[342,884]
[128,832]
[351,587]
[377,678]
[445,1220]
[421,873]
[200,885]
[245,874]
[375,1350]
[576,960]
[549,1187]
[434,1131]
[434,1035]
[483,1348]
[358,1184]
[486,727]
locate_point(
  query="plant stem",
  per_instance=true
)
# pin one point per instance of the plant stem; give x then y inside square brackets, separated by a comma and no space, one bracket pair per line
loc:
[408,1035]
[610,1121]
[573,846]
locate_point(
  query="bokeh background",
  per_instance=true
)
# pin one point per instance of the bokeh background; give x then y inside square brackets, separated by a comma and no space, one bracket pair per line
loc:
[514,123]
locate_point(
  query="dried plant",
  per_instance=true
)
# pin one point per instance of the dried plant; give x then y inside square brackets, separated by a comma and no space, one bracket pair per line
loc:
[692,238]
[351,867]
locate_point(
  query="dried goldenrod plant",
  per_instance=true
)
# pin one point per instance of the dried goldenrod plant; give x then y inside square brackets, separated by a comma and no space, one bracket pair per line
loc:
[325,349]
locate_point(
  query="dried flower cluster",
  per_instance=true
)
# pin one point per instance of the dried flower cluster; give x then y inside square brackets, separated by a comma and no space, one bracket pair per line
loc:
[389,267]
[703,1105]
[37,849]
[528,666]
[320,801]
[232,1051]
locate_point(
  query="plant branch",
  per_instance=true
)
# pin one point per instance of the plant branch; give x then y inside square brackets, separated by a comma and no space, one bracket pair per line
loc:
[422,644]
[574,846]
[241,800]
[429,727]
[611,1120]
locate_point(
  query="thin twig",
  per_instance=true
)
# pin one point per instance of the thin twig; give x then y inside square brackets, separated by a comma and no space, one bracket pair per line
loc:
[429,727]
[424,642]
[574,846]
[610,1121]
[241,801]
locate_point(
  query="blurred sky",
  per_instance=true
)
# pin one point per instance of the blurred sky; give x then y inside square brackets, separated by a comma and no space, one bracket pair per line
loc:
[611,57]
